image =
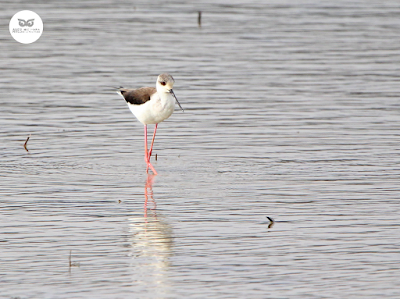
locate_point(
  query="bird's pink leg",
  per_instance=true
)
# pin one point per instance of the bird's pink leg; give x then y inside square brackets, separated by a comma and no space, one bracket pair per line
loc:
[152,141]
[145,143]
[146,153]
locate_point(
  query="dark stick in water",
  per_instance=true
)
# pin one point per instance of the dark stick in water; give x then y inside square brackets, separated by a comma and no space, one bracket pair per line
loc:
[199,19]
[26,142]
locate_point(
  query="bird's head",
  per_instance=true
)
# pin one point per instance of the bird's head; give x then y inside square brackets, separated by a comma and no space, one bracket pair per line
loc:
[165,82]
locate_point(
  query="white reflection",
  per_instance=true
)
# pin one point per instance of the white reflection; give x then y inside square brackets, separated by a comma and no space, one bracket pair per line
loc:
[151,243]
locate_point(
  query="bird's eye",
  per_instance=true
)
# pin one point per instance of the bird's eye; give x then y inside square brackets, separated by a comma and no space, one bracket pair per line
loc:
[163,83]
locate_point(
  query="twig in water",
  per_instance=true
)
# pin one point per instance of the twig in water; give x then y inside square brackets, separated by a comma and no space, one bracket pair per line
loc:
[199,19]
[27,142]
[271,222]
[71,264]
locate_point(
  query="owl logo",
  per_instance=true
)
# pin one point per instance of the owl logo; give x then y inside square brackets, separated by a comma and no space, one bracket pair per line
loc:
[23,23]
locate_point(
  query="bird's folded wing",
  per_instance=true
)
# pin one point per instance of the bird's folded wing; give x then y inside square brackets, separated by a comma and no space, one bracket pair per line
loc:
[137,96]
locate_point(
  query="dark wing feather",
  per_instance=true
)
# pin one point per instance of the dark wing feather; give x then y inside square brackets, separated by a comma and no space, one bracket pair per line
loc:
[137,96]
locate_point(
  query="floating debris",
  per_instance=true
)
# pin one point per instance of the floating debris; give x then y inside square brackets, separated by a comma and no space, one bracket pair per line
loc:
[26,142]
[199,19]
[271,222]
[71,264]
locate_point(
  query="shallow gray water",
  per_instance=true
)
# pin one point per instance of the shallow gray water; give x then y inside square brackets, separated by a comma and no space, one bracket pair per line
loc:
[291,112]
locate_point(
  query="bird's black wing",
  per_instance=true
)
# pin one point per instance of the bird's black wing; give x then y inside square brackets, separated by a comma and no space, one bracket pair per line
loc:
[137,96]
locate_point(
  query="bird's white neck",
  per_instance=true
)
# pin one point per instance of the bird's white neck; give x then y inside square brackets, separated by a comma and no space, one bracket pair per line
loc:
[166,97]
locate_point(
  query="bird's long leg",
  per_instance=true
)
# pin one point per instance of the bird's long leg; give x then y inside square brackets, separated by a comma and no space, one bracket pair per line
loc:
[146,153]
[152,141]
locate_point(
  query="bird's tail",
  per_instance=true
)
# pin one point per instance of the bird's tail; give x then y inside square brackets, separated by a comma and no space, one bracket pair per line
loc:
[117,89]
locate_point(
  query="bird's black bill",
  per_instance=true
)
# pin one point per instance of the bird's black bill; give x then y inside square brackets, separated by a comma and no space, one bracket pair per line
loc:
[171,91]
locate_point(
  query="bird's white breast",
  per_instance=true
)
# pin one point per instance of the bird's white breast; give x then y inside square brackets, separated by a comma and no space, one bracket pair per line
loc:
[158,108]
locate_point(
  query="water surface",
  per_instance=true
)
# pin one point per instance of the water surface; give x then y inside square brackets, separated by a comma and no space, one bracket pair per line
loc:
[291,112]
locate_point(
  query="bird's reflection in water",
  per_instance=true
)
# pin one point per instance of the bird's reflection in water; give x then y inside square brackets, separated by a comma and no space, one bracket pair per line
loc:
[148,192]
[151,243]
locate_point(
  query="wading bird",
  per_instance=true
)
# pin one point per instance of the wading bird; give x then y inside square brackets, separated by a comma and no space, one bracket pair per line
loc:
[151,106]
